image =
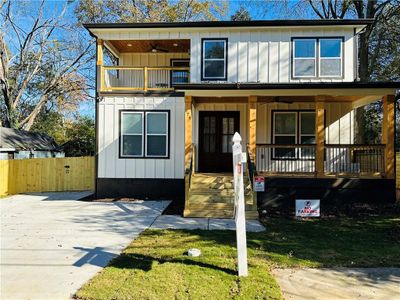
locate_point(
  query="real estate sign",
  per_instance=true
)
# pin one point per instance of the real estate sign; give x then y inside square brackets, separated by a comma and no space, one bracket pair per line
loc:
[240,216]
[307,208]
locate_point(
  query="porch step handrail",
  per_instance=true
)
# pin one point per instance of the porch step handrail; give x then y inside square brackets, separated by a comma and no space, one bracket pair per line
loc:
[189,171]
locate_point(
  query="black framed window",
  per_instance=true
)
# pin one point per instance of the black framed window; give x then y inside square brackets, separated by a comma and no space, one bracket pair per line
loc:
[291,128]
[144,134]
[180,76]
[317,57]
[214,59]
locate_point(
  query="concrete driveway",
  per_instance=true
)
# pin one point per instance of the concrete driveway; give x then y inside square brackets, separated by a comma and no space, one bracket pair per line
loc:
[51,243]
[339,283]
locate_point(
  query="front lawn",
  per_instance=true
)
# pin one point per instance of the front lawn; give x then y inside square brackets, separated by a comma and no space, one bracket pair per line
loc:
[155,266]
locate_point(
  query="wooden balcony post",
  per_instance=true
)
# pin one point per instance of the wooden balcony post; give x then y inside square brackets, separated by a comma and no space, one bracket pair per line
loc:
[388,129]
[99,65]
[252,119]
[145,75]
[100,44]
[188,129]
[319,136]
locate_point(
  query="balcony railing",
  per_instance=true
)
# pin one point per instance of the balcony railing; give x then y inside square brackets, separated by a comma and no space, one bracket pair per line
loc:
[114,78]
[351,160]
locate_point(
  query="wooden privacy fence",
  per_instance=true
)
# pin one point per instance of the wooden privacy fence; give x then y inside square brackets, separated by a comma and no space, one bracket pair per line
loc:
[46,175]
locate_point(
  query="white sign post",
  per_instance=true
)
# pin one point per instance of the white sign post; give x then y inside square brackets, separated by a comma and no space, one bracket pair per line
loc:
[240,217]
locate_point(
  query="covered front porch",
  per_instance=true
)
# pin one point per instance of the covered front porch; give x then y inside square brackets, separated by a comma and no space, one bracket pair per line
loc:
[303,133]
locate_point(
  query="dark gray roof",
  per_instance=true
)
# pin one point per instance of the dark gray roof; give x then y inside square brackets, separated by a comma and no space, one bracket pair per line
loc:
[257,23]
[26,140]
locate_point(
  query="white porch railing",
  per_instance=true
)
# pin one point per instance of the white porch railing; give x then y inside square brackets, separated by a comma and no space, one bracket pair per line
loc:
[352,160]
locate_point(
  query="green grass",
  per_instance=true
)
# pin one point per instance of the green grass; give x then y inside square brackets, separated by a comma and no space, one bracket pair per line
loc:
[155,265]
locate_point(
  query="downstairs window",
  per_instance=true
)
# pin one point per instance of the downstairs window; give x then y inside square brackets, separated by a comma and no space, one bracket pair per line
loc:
[144,134]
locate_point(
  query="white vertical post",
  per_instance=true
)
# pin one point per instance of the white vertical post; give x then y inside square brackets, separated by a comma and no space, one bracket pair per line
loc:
[240,217]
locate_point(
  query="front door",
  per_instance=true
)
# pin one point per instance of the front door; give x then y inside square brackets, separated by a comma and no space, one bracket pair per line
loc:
[216,129]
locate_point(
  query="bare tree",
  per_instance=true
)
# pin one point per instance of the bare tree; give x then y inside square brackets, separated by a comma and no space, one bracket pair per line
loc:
[40,64]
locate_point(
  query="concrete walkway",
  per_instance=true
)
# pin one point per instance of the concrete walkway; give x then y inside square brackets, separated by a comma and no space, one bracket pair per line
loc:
[340,283]
[51,244]
[178,222]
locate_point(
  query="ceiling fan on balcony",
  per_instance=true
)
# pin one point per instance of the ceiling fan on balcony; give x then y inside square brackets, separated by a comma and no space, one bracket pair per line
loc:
[154,48]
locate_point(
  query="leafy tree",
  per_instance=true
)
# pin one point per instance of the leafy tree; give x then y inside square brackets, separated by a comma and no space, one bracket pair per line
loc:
[94,11]
[242,14]
[76,134]
[51,123]
[80,135]
[43,61]
[379,47]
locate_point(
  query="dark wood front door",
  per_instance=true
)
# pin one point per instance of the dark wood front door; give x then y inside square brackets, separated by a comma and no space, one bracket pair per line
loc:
[216,129]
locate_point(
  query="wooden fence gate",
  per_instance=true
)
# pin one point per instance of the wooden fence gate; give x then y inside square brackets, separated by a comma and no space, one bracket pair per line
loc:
[46,175]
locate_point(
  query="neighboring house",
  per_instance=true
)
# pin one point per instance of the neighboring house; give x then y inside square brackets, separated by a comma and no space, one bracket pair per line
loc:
[21,144]
[166,114]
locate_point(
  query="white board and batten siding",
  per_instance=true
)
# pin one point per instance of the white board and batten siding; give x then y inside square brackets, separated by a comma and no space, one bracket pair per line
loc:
[265,55]
[254,54]
[109,163]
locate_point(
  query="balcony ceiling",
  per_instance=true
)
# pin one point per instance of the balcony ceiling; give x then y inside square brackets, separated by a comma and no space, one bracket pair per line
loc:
[147,46]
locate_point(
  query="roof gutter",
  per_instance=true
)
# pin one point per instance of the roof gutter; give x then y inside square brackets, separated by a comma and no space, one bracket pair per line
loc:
[274,86]
[216,24]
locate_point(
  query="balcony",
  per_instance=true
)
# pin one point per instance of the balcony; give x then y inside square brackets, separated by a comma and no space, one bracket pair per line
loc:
[123,78]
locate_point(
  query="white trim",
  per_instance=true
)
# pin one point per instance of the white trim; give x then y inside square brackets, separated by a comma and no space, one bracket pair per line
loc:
[302,58]
[7,149]
[328,58]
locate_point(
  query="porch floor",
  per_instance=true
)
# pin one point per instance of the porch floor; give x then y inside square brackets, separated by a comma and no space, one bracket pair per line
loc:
[212,195]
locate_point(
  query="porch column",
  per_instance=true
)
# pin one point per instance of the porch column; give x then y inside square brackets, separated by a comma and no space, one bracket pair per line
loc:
[99,65]
[319,135]
[188,129]
[388,135]
[252,109]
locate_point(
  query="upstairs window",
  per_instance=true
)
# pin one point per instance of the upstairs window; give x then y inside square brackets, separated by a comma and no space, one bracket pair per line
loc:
[144,134]
[330,57]
[317,58]
[214,58]
[304,58]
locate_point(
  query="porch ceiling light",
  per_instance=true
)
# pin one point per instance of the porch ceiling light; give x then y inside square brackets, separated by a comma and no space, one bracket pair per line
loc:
[175,44]
[129,45]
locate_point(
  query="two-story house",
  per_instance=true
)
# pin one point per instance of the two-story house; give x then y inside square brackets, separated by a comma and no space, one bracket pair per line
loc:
[166,113]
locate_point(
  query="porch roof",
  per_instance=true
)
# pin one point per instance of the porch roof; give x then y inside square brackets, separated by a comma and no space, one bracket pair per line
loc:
[359,93]
[292,85]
